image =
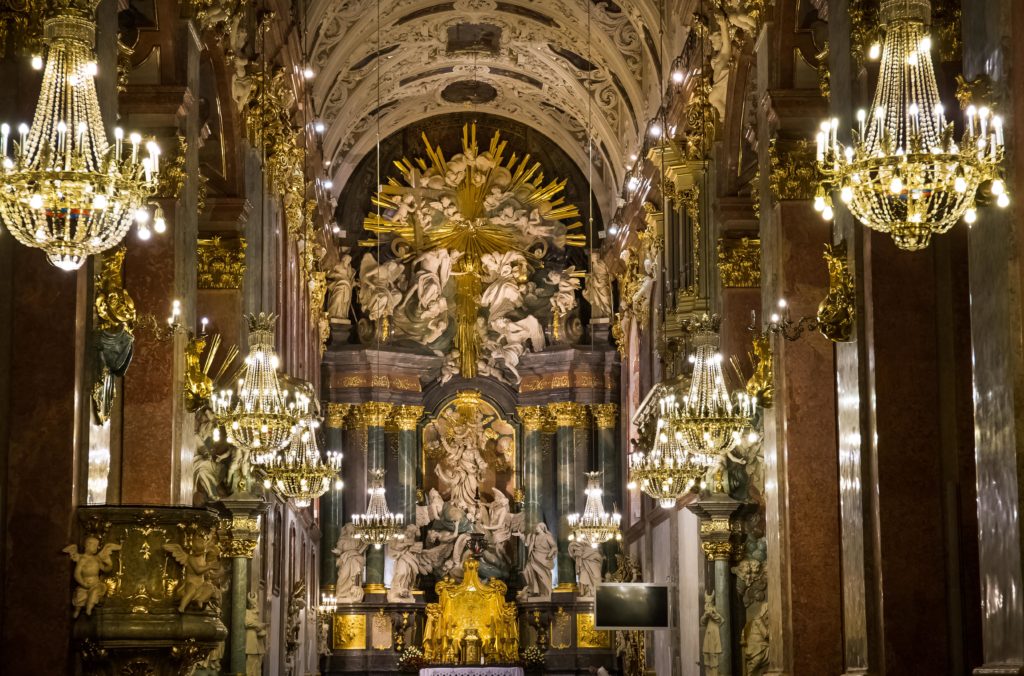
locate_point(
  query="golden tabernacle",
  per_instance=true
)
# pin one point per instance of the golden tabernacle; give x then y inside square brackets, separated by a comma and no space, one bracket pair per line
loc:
[472,610]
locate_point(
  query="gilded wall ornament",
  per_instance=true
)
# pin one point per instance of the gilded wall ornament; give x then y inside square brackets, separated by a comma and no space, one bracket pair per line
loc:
[837,313]
[762,382]
[349,632]
[220,263]
[794,175]
[116,319]
[587,636]
[739,262]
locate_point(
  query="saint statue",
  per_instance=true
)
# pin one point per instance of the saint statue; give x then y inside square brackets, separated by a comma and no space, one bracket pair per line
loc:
[598,291]
[712,645]
[340,281]
[351,553]
[255,637]
[541,550]
[588,567]
[409,563]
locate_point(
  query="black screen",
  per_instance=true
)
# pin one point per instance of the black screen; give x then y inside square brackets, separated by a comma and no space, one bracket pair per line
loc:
[631,606]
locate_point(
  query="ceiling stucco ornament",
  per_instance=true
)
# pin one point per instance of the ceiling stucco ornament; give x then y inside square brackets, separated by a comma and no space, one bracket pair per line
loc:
[538,61]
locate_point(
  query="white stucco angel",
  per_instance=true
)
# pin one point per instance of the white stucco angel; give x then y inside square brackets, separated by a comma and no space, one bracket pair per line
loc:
[424,312]
[380,287]
[643,293]
[598,291]
[504,275]
[197,587]
[351,553]
[341,279]
[566,285]
[90,564]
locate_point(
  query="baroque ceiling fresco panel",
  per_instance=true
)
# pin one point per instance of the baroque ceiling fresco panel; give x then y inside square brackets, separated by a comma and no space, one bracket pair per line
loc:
[530,60]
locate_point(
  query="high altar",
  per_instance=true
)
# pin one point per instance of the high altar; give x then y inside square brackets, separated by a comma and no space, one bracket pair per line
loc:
[470,360]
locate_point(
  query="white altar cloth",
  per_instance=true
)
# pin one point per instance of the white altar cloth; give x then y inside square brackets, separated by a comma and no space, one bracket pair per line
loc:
[472,671]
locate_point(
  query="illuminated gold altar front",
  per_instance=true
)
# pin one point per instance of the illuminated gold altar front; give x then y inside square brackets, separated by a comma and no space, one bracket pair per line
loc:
[467,607]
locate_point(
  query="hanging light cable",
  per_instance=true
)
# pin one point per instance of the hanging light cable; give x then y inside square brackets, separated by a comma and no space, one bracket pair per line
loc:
[378,524]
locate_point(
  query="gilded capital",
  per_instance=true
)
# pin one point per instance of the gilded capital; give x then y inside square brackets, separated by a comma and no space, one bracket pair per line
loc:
[568,414]
[336,414]
[717,551]
[605,415]
[533,417]
[376,413]
[739,262]
[407,417]
[240,536]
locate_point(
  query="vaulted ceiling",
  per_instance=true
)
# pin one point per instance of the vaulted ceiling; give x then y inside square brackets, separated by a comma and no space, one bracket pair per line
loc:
[531,60]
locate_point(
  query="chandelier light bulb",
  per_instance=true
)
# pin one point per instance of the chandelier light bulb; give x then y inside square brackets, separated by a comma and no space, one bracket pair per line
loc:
[677,76]
[308,73]
[655,130]
[37,62]
[875,51]
[144,233]
[1003,201]
[970,216]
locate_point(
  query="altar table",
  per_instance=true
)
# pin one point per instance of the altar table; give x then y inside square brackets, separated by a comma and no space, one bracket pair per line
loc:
[472,671]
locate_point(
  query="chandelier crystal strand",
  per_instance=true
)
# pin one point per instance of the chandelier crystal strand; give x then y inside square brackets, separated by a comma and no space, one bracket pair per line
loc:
[66,190]
[299,473]
[711,421]
[595,526]
[257,415]
[904,173]
[665,472]
[378,524]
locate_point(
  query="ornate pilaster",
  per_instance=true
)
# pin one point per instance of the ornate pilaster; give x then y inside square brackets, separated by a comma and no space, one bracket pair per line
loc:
[239,537]
[715,531]
[534,420]
[332,513]
[569,418]
[405,421]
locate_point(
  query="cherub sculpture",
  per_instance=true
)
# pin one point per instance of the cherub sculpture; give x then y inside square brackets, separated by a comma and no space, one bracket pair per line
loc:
[89,566]
[197,587]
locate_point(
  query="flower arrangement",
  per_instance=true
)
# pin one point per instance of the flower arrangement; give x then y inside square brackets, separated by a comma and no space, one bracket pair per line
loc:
[532,658]
[411,660]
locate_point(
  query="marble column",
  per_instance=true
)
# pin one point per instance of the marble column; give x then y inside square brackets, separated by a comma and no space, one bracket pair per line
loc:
[241,534]
[376,414]
[606,419]
[995,253]
[332,515]
[569,417]
[533,418]
[406,423]
[714,512]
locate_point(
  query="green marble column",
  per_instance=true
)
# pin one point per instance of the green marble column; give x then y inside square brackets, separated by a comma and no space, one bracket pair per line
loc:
[533,418]
[243,530]
[331,511]
[375,415]
[569,417]
[406,422]
[606,419]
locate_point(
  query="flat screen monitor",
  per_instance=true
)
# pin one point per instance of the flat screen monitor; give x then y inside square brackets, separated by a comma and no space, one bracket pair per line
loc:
[631,605]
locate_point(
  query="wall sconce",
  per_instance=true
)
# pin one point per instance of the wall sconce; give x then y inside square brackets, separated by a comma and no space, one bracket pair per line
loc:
[837,313]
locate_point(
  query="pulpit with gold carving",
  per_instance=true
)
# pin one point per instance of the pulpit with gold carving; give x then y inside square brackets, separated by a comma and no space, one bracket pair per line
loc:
[472,610]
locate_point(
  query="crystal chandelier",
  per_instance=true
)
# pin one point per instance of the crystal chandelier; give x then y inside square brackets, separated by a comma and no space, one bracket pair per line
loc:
[257,414]
[904,174]
[595,526]
[298,472]
[710,421]
[378,525]
[665,472]
[66,191]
